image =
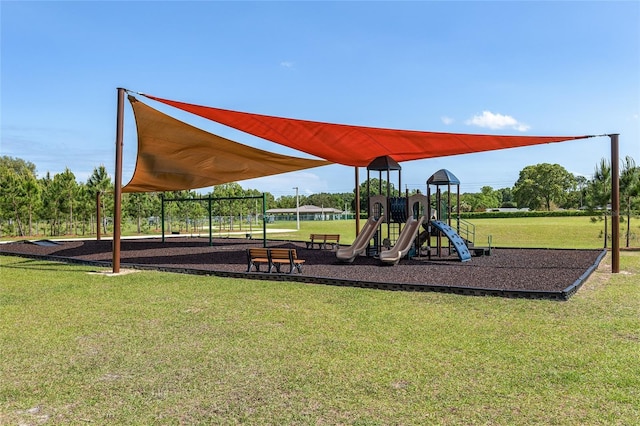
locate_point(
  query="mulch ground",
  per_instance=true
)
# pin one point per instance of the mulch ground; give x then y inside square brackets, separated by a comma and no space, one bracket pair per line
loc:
[550,273]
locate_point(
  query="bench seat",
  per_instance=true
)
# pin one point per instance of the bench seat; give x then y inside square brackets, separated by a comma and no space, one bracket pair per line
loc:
[322,240]
[274,258]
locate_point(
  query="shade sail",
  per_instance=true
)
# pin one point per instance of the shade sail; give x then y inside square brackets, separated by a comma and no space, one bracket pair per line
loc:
[358,145]
[174,156]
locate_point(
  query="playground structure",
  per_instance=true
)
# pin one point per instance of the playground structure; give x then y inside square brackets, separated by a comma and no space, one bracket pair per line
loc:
[393,230]
[442,220]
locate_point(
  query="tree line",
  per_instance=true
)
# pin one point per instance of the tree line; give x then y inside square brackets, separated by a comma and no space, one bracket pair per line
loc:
[60,205]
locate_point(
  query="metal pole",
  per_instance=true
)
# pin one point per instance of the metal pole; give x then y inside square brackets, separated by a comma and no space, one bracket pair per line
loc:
[449,203]
[297,209]
[458,206]
[117,204]
[98,218]
[264,220]
[162,215]
[357,203]
[615,205]
[210,222]
[428,212]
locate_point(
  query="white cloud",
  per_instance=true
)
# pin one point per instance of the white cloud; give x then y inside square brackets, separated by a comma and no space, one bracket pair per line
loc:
[286,64]
[496,121]
[447,120]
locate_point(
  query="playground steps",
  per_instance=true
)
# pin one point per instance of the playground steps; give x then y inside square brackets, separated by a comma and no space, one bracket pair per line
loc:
[480,251]
[457,240]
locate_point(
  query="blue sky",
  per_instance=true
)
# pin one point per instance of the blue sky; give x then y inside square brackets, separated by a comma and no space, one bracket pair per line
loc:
[526,68]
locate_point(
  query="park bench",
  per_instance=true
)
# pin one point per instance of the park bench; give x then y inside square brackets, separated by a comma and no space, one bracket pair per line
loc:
[323,239]
[273,258]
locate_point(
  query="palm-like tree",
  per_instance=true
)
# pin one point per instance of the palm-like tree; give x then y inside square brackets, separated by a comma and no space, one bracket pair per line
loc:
[100,182]
[629,187]
[32,194]
[599,191]
[67,186]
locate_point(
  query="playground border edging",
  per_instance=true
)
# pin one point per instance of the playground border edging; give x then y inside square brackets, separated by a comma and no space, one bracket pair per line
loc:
[562,295]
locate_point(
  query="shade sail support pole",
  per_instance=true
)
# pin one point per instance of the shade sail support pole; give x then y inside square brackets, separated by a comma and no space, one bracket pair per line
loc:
[264,219]
[98,218]
[117,204]
[615,204]
[357,204]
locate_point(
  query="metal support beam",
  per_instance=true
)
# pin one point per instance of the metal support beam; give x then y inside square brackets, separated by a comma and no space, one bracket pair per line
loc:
[357,200]
[98,218]
[117,204]
[615,205]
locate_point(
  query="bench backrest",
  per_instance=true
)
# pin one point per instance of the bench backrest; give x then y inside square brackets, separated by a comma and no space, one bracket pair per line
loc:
[276,253]
[283,253]
[258,253]
[325,237]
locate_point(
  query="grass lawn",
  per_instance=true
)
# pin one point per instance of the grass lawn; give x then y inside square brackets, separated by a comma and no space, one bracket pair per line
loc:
[540,232]
[160,348]
[537,232]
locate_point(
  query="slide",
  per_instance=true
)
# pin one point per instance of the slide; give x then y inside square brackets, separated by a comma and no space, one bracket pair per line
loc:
[452,235]
[347,254]
[403,245]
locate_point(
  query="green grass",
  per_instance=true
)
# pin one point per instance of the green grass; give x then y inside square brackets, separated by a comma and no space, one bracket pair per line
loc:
[548,232]
[543,232]
[159,348]
[539,232]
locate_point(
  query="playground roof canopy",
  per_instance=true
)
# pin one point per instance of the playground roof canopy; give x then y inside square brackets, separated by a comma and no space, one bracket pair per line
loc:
[443,177]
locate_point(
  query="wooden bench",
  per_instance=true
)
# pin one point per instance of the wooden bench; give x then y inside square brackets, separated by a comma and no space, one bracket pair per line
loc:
[323,239]
[273,258]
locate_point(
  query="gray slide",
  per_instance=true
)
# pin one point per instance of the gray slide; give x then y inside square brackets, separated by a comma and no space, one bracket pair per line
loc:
[403,245]
[347,254]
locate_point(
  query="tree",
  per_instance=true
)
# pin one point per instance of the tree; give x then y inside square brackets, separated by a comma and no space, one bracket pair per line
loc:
[599,191]
[506,197]
[66,188]
[12,200]
[32,197]
[374,187]
[85,207]
[542,184]
[487,198]
[20,192]
[47,202]
[100,182]
[139,205]
[629,187]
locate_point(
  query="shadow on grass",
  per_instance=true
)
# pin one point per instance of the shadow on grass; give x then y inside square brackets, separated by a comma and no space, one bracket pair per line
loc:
[39,265]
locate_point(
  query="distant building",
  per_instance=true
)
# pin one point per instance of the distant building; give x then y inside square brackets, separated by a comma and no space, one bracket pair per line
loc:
[307,213]
[508,209]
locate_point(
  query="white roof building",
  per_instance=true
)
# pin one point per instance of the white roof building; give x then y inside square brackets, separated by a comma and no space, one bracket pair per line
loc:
[306,210]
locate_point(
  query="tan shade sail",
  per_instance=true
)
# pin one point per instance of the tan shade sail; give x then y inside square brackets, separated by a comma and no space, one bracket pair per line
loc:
[358,145]
[174,156]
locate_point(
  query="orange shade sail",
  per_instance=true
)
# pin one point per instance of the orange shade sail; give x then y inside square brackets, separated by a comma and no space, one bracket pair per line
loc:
[358,145]
[174,156]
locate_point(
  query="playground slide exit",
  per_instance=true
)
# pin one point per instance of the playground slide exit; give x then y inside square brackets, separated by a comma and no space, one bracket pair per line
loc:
[403,245]
[347,254]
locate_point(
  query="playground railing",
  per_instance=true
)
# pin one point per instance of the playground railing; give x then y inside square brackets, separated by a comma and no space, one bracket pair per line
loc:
[467,230]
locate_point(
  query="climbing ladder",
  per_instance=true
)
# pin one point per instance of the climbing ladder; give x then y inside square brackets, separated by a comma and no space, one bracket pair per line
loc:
[457,240]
